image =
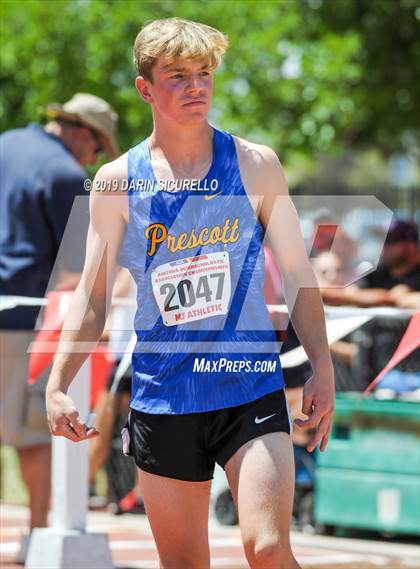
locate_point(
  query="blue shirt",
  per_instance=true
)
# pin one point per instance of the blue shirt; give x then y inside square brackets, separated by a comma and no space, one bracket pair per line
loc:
[39,180]
[205,340]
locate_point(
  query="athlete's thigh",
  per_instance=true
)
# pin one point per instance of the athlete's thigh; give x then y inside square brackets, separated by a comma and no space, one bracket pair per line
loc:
[178,515]
[261,477]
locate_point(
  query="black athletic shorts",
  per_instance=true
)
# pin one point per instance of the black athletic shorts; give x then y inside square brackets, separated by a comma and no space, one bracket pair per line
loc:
[186,447]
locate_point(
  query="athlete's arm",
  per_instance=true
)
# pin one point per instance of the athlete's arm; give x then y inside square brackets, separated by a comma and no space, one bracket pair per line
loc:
[86,317]
[263,175]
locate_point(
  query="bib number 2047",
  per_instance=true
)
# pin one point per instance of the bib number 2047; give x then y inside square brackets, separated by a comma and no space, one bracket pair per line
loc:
[188,296]
[193,288]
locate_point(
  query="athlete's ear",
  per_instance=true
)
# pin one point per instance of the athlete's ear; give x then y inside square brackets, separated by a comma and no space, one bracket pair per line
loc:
[142,86]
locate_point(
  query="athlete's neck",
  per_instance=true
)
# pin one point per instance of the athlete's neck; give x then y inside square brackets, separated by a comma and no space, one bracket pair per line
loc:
[184,149]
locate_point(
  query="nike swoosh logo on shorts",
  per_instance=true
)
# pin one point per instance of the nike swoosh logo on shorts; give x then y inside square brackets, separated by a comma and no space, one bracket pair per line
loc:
[208,197]
[258,421]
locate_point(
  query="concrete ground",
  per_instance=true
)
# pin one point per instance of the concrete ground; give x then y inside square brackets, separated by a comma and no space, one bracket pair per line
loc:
[132,545]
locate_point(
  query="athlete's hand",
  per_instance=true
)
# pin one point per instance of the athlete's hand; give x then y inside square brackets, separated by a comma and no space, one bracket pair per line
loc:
[318,405]
[64,420]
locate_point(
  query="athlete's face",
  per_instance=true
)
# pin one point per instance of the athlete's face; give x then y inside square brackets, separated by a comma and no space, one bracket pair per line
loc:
[180,91]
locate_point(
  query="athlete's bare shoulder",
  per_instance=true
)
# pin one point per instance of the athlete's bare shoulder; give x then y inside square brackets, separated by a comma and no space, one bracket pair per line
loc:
[117,171]
[257,154]
[260,168]
[111,182]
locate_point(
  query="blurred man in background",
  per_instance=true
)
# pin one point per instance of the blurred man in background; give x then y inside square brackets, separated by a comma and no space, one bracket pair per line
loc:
[396,281]
[399,270]
[42,173]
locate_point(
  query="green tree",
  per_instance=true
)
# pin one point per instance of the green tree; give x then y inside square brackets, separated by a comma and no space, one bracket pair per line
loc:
[304,76]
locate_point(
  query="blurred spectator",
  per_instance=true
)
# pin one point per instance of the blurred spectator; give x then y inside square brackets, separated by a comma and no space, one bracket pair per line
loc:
[273,287]
[331,270]
[328,234]
[333,253]
[112,409]
[400,263]
[42,173]
[396,282]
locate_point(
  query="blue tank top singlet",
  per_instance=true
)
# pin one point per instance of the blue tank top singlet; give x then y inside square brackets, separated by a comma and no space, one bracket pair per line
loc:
[195,251]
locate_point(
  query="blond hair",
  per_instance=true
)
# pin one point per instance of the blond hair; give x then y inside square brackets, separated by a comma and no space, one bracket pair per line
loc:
[177,38]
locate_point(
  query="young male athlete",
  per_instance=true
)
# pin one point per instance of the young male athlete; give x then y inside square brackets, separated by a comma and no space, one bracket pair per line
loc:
[188,220]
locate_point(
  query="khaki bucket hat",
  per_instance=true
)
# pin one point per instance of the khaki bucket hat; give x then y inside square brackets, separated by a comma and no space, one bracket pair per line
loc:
[92,112]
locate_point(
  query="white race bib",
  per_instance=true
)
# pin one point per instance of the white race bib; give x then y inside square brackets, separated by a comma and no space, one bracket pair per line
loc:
[192,288]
